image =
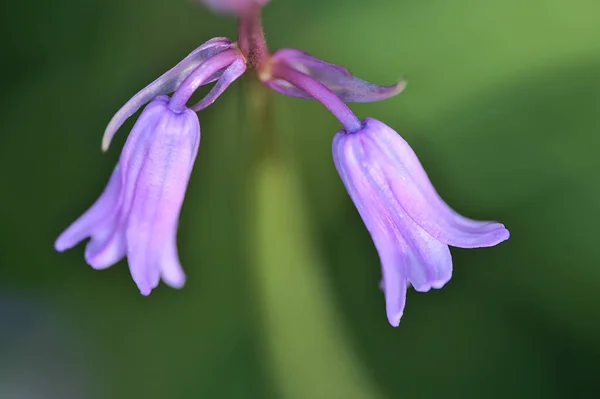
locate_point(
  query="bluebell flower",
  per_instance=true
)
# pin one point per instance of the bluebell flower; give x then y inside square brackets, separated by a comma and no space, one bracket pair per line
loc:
[411,226]
[137,215]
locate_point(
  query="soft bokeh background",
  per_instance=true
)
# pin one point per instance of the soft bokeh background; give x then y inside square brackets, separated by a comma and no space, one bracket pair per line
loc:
[503,108]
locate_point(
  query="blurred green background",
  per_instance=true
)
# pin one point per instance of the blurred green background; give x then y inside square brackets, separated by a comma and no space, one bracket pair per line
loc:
[502,107]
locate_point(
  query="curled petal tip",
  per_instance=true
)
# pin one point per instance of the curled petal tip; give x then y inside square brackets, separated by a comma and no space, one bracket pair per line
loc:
[495,234]
[174,278]
[502,234]
[106,139]
[394,319]
[61,245]
[399,87]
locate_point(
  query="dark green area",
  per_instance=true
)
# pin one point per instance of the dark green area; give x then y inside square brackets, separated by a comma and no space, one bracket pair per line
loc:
[502,106]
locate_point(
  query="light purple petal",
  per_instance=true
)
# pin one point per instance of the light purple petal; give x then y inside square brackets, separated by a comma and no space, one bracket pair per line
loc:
[393,270]
[170,267]
[408,222]
[393,253]
[160,190]
[405,176]
[108,244]
[165,84]
[429,263]
[107,248]
[137,215]
[102,210]
[335,77]
[232,73]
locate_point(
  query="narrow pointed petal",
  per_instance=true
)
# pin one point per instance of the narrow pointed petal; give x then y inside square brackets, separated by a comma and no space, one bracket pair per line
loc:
[165,84]
[86,225]
[393,270]
[152,223]
[407,179]
[231,74]
[170,267]
[335,77]
[393,253]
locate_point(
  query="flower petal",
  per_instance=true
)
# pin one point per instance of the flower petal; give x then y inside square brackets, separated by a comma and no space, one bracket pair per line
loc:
[160,190]
[392,252]
[167,83]
[412,188]
[103,210]
[335,77]
[106,249]
[393,269]
[429,260]
[170,267]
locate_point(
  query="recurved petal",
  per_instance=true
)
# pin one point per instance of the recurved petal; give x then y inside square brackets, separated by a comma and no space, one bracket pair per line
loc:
[152,223]
[165,84]
[94,221]
[335,77]
[406,178]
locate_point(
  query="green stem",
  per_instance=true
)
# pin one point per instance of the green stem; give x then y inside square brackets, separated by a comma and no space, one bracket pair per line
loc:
[307,349]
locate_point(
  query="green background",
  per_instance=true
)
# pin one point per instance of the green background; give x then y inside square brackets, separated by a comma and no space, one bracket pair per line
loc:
[282,299]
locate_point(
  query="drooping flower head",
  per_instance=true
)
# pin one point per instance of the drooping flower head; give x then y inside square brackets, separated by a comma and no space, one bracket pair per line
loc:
[410,224]
[138,212]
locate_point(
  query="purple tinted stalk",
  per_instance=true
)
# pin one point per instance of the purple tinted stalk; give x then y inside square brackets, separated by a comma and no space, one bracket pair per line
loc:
[251,38]
[320,92]
[199,76]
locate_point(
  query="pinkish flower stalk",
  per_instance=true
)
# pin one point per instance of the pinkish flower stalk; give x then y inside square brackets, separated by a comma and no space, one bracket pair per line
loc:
[234,7]
[137,215]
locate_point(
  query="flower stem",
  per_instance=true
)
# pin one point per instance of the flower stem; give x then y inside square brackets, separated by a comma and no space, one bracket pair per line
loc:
[307,350]
[320,93]
[199,76]
[251,38]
